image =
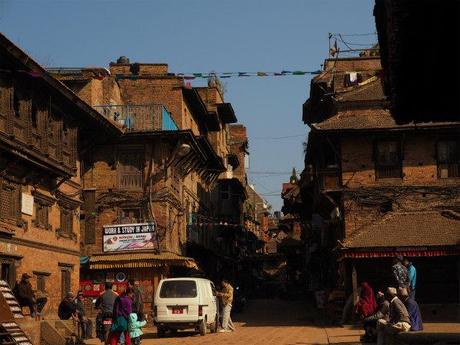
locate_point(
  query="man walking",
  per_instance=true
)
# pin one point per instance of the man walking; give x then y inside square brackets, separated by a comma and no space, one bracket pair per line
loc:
[24,294]
[412,273]
[227,300]
[138,303]
[399,318]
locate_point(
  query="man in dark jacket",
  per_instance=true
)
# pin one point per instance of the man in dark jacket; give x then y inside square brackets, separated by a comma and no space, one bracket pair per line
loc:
[105,303]
[24,293]
[67,308]
[399,318]
[85,323]
[370,322]
[138,303]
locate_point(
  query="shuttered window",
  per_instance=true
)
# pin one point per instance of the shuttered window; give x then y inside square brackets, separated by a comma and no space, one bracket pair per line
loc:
[66,221]
[388,160]
[130,170]
[65,282]
[448,152]
[9,201]
[89,206]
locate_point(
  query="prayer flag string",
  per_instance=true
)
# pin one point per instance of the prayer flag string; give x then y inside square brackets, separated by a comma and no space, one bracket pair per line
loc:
[185,76]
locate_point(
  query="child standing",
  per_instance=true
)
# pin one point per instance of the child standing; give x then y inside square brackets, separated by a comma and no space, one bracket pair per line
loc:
[134,327]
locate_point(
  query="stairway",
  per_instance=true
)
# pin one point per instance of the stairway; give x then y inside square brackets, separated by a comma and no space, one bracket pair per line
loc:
[12,334]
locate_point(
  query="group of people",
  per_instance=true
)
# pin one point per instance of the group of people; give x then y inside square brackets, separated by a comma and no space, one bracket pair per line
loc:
[125,312]
[394,311]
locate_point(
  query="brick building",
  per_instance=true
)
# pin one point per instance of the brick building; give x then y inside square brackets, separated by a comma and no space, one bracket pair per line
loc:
[45,132]
[378,187]
[167,169]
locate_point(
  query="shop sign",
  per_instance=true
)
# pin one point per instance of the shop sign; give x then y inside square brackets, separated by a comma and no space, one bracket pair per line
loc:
[128,237]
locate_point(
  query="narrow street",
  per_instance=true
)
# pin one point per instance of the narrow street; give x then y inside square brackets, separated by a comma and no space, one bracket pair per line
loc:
[266,322]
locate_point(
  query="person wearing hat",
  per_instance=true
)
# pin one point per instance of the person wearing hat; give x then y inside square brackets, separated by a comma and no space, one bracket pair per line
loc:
[67,308]
[370,322]
[24,293]
[413,309]
[399,320]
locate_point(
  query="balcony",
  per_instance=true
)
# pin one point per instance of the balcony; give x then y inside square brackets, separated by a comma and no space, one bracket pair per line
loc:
[329,179]
[139,118]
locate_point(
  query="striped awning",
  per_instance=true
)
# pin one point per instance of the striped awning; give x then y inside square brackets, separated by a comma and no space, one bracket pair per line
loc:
[139,260]
[393,253]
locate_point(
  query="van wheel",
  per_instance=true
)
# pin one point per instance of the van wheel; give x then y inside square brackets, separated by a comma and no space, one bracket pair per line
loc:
[214,326]
[203,327]
[161,332]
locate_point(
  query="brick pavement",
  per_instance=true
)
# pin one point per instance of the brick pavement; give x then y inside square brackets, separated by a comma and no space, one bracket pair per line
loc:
[266,322]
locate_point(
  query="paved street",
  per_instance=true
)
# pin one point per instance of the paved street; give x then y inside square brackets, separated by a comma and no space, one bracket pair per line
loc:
[266,322]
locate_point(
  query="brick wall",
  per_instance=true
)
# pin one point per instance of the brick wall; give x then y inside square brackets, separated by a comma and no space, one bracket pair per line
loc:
[238,138]
[419,171]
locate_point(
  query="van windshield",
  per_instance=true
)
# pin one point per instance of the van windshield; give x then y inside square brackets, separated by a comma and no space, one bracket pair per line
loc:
[178,289]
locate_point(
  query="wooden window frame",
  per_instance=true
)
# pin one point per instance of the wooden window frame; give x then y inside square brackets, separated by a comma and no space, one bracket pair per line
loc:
[123,173]
[66,280]
[41,278]
[67,209]
[451,165]
[388,171]
[42,205]
[11,192]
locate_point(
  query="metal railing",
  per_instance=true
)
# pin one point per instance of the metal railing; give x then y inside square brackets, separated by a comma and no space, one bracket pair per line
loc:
[139,118]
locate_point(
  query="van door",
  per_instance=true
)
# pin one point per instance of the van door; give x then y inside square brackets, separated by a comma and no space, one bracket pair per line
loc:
[213,296]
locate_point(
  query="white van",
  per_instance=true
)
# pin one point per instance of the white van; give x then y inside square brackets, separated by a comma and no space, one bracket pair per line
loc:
[183,303]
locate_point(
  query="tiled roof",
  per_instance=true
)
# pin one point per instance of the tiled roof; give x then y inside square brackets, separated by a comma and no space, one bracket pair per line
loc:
[371,118]
[408,229]
[370,90]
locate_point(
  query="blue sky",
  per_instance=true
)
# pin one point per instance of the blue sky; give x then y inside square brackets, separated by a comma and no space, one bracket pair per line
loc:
[205,36]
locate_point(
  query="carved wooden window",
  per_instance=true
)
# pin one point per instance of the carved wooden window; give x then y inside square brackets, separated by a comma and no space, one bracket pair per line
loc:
[53,134]
[388,159]
[41,215]
[130,169]
[89,197]
[66,221]
[21,111]
[10,201]
[41,280]
[5,103]
[66,283]
[448,157]
[38,126]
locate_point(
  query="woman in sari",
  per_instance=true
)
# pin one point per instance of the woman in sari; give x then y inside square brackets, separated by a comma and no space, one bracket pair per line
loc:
[366,305]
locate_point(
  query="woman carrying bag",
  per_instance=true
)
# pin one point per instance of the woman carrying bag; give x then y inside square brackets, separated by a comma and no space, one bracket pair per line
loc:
[122,308]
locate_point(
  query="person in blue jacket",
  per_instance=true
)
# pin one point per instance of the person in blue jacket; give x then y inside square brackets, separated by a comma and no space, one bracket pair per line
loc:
[134,327]
[413,309]
[412,273]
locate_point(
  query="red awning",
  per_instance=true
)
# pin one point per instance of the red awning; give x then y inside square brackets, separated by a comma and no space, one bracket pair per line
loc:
[393,253]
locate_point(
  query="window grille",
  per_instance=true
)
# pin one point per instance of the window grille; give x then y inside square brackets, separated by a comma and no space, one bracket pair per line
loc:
[130,170]
[388,160]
